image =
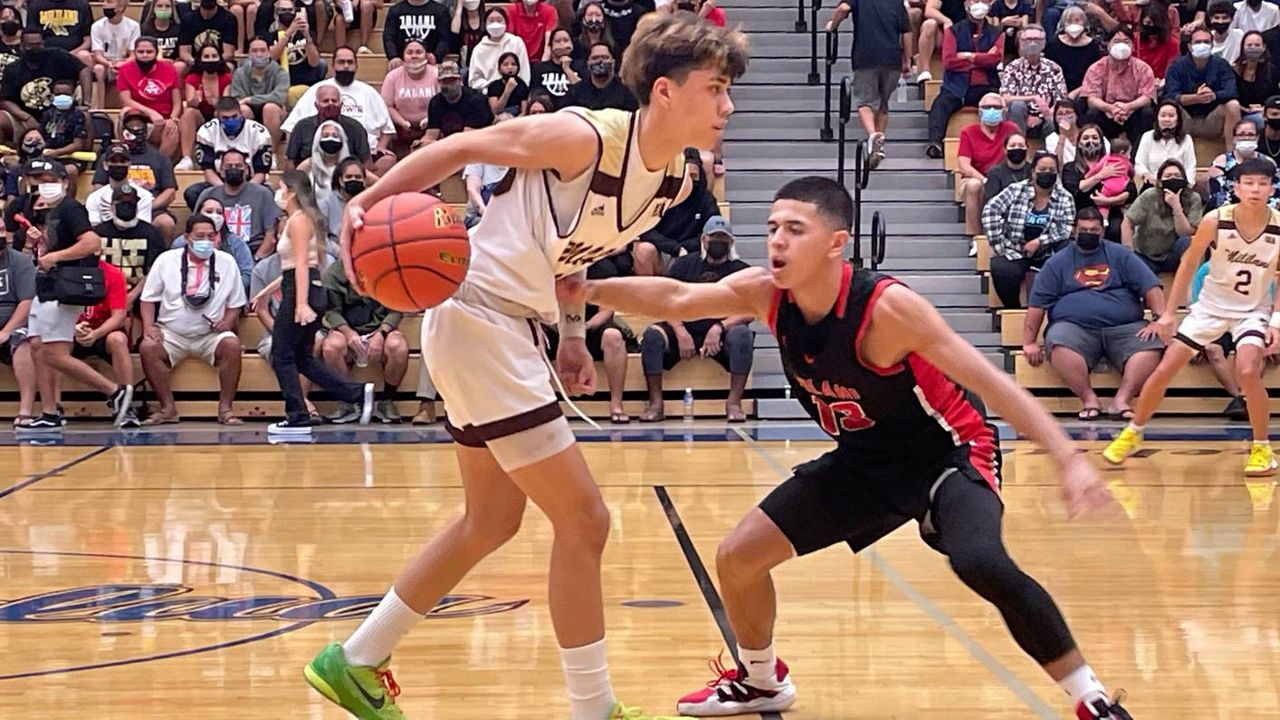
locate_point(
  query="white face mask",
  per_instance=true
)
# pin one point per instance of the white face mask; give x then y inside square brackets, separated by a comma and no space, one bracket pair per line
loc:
[217,220]
[471,4]
[1121,51]
[50,191]
[496,29]
[978,10]
[281,199]
[1074,30]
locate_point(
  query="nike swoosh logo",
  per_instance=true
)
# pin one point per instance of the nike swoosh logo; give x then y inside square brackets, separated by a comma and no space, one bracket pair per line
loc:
[377,703]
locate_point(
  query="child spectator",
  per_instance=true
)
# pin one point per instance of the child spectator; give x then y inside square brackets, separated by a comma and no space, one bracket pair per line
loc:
[1118,183]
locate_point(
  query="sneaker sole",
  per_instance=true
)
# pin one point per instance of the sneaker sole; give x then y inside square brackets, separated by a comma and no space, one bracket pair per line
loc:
[321,686]
[780,702]
[1262,473]
[273,430]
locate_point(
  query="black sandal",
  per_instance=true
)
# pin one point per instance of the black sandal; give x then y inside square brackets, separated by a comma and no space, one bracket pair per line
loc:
[1089,414]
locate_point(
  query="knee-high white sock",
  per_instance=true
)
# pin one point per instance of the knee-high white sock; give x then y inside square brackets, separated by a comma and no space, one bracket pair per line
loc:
[761,665]
[586,675]
[379,634]
[1083,685]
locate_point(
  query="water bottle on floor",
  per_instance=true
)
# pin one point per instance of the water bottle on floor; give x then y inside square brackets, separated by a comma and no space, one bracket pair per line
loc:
[688,404]
[902,89]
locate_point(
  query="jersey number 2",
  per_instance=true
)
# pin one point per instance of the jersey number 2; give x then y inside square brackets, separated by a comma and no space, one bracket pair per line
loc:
[845,415]
[1246,279]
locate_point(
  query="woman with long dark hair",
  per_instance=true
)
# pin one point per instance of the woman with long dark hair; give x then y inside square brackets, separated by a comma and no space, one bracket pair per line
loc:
[1255,77]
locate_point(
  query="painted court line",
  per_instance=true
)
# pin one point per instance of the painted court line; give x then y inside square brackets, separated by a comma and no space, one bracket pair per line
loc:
[50,473]
[937,614]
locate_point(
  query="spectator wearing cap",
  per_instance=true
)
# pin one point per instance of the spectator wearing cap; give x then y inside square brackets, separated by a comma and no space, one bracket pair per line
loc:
[150,85]
[17,293]
[456,107]
[359,101]
[262,87]
[328,108]
[129,242]
[149,169]
[63,241]
[729,340]
[1269,143]
[116,161]
[111,40]
[1205,85]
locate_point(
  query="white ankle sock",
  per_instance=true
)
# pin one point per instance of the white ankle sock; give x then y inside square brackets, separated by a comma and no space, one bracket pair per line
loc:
[1136,427]
[586,675]
[762,666]
[1082,685]
[379,634]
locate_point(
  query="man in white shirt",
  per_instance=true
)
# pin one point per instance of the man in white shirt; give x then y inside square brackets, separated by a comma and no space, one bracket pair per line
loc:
[117,161]
[190,307]
[111,40]
[359,101]
[1256,15]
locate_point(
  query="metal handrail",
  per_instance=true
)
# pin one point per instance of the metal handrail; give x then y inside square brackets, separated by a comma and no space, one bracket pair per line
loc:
[846,111]
[878,232]
[833,52]
[800,23]
[814,78]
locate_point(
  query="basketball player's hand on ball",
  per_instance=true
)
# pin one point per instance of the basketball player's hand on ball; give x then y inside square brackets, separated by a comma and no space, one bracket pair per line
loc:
[1082,488]
[304,315]
[575,367]
[352,220]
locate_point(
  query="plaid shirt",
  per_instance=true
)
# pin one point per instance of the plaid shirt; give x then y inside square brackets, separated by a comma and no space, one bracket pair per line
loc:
[1005,218]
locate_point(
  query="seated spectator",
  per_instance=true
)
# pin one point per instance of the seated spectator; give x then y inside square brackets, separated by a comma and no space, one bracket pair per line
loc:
[622,17]
[64,126]
[609,340]
[1074,48]
[1116,188]
[25,87]
[1086,188]
[1015,168]
[17,293]
[230,131]
[150,86]
[362,331]
[971,50]
[540,102]
[262,87]
[212,26]
[679,232]
[250,208]
[729,341]
[160,23]
[556,74]
[204,86]
[1166,141]
[425,22]
[602,88]
[294,48]
[1255,16]
[1159,224]
[1269,145]
[407,91]
[1205,86]
[191,306]
[229,243]
[593,29]
[357,15]
[508,94]
[1255,77]
[349,180]
[1191,14]
[359,101]
[65,25]
[1222,176]
[116,161]
[482,68]
[1159,43]
[102,332]
[10,35]
[1093,293]
[1011,16]
[1062,142]
[981,148]
[1226,39]
[64,241]
[480,179]
[328,109]
[532,21]
[456,107]
[111,41]
[1119,90]
[466,28]
[1025,224]
[129,243]
[935,19]
[330,147]
[1032,84]
[1215,355]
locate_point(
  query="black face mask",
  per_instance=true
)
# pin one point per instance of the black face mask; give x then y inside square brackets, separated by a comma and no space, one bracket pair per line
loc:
[108,13]
[146,66]
[600,68]
[286,19]
[1016,156]
[344,77]
[353,187]
[331,145]
[10,27]
[211,66]
[1176,185]
[1046,180]
[126,211]
[35,57]
[208,4]
[717,249]
[1149,33]
[593,25]
[1220,27]
[1273,123]
[118,173]
[32,149]
[1088,242]
[234,177]
[1255,4]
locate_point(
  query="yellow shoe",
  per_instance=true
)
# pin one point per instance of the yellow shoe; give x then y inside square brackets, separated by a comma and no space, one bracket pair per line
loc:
[1125,444]
[622,712]
[1262,460]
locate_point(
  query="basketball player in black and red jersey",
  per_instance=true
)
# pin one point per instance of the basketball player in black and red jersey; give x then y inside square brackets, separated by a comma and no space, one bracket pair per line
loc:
[882,373]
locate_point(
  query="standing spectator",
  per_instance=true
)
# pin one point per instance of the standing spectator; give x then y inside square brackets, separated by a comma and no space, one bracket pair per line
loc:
[190,307]
[262,87]
[981,148]
[17,293]
[1032,84]
[148,170]
[729,341]
[27,87]
[1158,42]
[250,210]
[1205,86]
[1255,77]
[1015,168]
[210,25]
[150,85]
[356,15]
[593,30]
[1120,89]
[229,131]
[1222,176]
[508,94]
[426,21]
[456,107]
[679,232]
[1226,39]
[971,50]
[116,161]
[1073,48]
[532,21]
[296,50]
[64,126]
[359,101]
[1093,293]
[1159,224]
[407,91]
[602,88]
[1166,141]
[1255,16]
[1270,142]
[102,331]
[129,243]
[65,24]
[881,59]
[498,41]
[328,108]
[111,40]
[160,23]
[1025,224]
[622,17]
[362,331]
[466,28]
[556,75]
[206,84]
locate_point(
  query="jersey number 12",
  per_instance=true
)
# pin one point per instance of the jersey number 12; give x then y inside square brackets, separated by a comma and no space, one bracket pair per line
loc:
[841,416]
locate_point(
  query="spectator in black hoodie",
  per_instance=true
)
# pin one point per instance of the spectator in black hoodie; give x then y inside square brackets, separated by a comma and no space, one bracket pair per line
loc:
[679,232]
[424,20]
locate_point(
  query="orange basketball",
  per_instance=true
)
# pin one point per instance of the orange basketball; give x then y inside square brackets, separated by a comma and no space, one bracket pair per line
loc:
[412,252]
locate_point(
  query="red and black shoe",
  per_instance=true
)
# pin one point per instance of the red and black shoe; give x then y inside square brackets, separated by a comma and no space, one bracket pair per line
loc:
[1103,709]
[731,693]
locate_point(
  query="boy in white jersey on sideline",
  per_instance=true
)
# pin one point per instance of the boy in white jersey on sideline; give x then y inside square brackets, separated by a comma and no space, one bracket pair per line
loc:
[582,185]
[1244,245]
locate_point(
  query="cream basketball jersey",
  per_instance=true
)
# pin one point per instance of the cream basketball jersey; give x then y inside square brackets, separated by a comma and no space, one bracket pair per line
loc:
[1241,270]
[538,228]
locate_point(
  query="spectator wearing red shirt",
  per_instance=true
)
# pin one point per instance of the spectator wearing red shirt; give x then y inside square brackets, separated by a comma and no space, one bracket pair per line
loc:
[1158,42]
[150,85]
[207,81]
[981,148]
[101,331]
[533,21]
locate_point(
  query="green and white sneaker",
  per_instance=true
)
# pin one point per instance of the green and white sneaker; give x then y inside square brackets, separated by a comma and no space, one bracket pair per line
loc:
[367,692]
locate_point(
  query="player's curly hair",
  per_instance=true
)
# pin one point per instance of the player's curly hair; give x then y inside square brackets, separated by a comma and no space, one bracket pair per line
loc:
[672,46]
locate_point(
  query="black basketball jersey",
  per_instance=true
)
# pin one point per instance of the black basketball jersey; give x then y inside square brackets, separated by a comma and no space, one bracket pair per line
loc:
[910,412]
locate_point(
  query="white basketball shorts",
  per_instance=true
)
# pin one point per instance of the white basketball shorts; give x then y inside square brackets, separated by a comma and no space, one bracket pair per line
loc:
[1202,326]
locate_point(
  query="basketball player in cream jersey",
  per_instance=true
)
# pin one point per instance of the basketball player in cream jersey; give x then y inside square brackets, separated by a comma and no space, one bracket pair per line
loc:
[582,186]
[1244,245]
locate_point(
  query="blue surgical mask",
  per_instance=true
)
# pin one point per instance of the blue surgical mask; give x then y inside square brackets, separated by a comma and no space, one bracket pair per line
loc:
[232,126]
[63,102]
[202,249]
[991,116]
[1201,50]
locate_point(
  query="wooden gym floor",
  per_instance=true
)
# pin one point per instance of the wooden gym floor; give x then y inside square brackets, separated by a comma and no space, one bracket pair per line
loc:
[194,581]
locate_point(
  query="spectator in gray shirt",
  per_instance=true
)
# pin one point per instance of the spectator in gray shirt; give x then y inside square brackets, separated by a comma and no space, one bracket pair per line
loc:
[262,87]
[250,208]
[17,289]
